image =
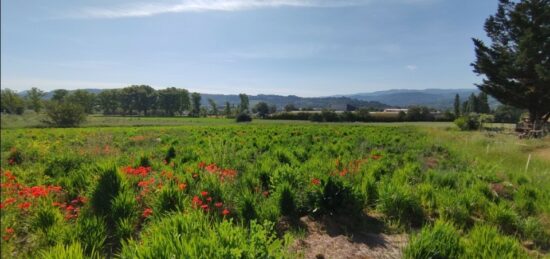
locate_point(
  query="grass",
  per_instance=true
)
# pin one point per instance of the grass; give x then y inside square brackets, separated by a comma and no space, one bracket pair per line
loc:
[215,188]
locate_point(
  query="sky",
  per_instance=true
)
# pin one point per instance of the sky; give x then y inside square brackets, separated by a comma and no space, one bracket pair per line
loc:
[288,47]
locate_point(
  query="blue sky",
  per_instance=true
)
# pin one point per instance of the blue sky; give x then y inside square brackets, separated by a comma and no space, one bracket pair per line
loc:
[300,47]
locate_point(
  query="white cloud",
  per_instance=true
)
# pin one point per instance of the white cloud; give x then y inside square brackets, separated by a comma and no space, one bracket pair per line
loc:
[151,9]
[411,67]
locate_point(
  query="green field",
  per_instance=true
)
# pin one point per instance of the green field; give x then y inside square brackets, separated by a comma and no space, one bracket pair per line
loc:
[211,188]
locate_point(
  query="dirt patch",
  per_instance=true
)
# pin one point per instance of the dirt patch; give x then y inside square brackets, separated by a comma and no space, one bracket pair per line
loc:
[431,162]
[326,240]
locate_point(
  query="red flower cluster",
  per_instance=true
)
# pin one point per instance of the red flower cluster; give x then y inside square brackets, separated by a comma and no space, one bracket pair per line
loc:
[315,181]
[24,194]
[73,208]
[9,233]
[221,172]
[138,171]
[147,212]
[205,203]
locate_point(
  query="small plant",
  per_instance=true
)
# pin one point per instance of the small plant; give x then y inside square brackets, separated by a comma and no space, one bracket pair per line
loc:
[169,199]
[46,217]
[144,161]
[170,154]
[59,251]
[91,232]
[124,206]
[440,241]
[287,203]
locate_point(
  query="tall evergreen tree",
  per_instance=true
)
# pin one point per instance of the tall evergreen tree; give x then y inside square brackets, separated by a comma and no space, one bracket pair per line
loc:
[196,104]
[457,105]
[483,102]
[516,64]
[243,107]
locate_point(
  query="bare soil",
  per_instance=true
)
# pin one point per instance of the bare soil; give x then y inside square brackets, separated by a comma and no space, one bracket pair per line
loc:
[326,239]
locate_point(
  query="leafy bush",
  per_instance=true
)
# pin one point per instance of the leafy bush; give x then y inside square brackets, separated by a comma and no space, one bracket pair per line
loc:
[486,242]
[124,206]
[64,114]
[440,241]
[469,122]
[46,217]
[243,117]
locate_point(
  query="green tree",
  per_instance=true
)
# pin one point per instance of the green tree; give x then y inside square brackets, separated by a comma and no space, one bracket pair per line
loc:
[59,95]
[507,114]
[244,105]
[170,100]
[290,107]
[457,105]
[11,102]
[185,101]
[83,98]
[108,100]
[64,114]
[472,104]
[262,108]
[34,97]
[516,66]
[195,104]
[227,109]
[145,98]
[213,107]
[483,102]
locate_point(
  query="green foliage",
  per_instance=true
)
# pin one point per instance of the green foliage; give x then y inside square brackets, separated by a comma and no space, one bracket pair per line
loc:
[243,117]
[440,241]
[170,154]
[107,189]
[60,251]
[46,217]
[468,122]
[518,34]
[486,242]
[287,203]
[10,102]
[169,199]
[339,198]
[399,203]
[192,236]
[124,206]
[91,232]
[64,114]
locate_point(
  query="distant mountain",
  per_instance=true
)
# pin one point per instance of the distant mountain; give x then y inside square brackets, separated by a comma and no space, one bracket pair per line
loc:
[336,103]
[436,98]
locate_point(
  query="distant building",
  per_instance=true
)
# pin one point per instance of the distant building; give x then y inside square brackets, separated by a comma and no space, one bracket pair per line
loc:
[396,110]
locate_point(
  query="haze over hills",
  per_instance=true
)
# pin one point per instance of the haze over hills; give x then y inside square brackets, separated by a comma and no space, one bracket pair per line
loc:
[435,98]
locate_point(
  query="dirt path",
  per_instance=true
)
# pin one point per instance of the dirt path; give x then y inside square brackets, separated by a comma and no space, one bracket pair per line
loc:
[326,240]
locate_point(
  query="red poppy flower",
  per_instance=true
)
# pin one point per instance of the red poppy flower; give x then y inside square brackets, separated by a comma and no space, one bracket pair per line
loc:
[225,212]
[204,193]
[204,207]
[147,212]
[24,205]
[209,199]
[218,204]
[9,230]
[315,181]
